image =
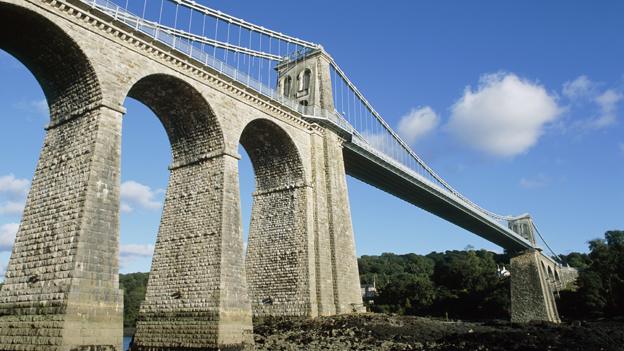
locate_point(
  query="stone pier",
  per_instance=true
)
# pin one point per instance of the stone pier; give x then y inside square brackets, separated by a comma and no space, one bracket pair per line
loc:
[532,297]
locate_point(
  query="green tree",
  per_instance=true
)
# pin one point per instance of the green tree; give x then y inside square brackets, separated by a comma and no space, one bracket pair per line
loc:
[601,280]
[134,286]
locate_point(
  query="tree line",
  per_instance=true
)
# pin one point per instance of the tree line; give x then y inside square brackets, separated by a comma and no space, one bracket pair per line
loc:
[464,284]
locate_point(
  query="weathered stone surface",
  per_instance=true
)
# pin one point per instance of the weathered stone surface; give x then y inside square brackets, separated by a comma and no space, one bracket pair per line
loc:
[532,297]
[61,290]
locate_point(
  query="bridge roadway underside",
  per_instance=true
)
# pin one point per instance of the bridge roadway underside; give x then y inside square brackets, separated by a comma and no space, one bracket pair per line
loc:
[377,172]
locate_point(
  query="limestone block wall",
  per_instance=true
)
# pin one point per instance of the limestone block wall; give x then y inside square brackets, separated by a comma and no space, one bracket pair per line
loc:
[57,293]
[184,303]
[55,279]
[323,255]
[278,248]
[347,294]
[277,254]
[532,298]
[61,290]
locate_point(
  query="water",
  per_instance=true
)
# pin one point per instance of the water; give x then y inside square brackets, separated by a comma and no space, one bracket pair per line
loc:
[126,342]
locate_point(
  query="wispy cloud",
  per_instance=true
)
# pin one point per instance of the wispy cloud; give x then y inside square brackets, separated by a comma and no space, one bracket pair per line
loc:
[583,90]
[139,250]
[417,123]
[504,116]
[580,88]
[131,252]
[539,181]
[12,207]
[12,194]
[376,140]
[137,195]
[7,236]
[607,102]
[13,186]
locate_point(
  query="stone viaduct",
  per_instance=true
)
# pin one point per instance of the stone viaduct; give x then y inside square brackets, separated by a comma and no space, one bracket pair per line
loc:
[61,289]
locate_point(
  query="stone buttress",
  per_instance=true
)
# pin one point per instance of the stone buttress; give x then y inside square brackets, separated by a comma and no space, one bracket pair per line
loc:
[532,297]
[61,290]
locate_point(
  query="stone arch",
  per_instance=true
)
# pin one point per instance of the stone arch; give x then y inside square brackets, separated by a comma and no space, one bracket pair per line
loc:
[550,273]
[557,278]
[198,259]
[274,155]
[278,248]
[70,86]
[64,256]
[191,125]
[63,70]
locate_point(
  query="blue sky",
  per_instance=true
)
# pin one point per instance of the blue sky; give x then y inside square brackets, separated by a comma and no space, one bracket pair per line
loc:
[518,105]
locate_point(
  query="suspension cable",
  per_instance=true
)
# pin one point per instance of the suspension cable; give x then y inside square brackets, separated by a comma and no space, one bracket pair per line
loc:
[242,23]
[556,256]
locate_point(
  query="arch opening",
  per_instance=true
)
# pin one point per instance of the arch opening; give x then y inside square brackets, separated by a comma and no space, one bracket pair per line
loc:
[47,257]
[194,137]
[60,66]
[276,250]
[69,83]
[187,117]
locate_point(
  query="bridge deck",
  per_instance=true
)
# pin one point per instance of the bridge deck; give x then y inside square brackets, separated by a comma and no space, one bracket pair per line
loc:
[369,168]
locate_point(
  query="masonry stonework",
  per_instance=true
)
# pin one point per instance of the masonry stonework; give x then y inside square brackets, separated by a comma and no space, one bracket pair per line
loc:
[61,290]
[532,287]
[532,297]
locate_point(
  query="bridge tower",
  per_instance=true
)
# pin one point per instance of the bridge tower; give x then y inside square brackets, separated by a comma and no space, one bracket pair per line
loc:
[306,79]
[331,284]
[532,296]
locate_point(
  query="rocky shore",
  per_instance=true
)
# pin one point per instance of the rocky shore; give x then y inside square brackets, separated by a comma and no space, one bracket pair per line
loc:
[390,332]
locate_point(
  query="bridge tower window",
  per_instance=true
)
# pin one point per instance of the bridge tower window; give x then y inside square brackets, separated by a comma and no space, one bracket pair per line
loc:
[287,85]
[304,80]
[303,102]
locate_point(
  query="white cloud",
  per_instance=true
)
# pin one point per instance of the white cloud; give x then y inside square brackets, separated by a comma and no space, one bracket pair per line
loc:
[417,123]
[607,102]
[136,250]
[536,182]
[134,194]
[125,208]
[12,208]
[505,116]
[7,236]
[13,186]
[378,141]
[583,90]
[581,87]
[131,252]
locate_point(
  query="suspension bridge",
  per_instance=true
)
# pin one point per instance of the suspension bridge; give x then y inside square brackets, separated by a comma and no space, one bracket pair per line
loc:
[215,82]
[250,54]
